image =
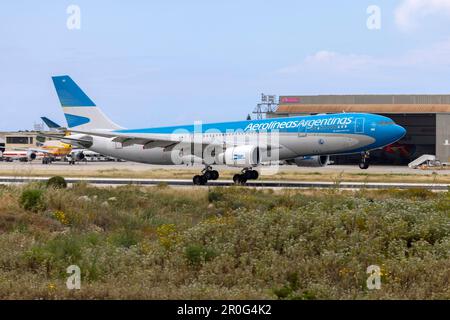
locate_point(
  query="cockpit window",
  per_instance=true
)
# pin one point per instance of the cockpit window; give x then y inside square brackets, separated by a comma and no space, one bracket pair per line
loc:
[385,123]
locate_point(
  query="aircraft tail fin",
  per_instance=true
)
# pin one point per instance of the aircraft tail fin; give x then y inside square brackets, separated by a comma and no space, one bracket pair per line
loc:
[80,111]
[50,124]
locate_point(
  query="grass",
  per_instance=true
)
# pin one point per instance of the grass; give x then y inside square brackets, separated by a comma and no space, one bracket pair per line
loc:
[223,243]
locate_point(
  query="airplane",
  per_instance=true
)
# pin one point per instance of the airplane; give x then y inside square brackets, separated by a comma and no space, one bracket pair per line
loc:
[55,148]
[242,144]
[48,152]
[78,153]
[21,155]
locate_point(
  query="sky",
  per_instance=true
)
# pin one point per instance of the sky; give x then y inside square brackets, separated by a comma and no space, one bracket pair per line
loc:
[155,63]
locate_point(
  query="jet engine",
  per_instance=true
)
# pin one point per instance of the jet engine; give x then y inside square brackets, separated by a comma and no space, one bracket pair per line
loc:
[31,155]
[77,156]
[312,161]
[240,156]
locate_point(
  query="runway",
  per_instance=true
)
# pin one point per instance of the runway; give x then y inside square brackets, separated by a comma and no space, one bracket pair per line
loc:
[226,183]
[93,167]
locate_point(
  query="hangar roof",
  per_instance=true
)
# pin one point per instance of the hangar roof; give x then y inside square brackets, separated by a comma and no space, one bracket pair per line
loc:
[365,108]
[382,103]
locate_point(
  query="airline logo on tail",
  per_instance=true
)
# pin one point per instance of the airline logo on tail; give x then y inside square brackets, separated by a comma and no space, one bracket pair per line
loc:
[80,111]
[70,94]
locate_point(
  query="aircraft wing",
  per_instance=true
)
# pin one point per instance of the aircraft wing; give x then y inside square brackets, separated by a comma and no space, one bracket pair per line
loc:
[37,150]
[83,143]
[148,141]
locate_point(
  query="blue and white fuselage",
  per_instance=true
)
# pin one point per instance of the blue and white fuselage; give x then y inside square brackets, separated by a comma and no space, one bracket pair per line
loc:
[241,143]
[298,136]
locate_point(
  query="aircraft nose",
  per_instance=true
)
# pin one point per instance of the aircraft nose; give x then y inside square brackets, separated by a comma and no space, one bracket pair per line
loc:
[398,131]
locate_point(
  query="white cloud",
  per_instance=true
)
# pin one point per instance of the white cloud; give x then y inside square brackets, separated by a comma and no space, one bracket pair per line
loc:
[434,57]
[332,61]
[409,11]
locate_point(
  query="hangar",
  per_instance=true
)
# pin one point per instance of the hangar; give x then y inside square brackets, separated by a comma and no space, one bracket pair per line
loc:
[425,117]
[2,144]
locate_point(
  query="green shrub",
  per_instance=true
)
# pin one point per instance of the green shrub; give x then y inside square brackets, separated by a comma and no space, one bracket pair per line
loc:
[305,296]
[55,255]
[32,200]
[125,238]
[283,292]
[287,290]
[57,182]
[215,194]
[196,254]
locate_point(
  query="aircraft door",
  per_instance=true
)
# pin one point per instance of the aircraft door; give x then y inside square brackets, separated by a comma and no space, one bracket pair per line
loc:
[302,131]
[359,125]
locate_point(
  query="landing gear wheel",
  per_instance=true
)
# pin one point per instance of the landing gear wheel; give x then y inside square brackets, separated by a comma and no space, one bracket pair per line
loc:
[239,179]
[214,175]
[250,174]
[364,165]
[199,180]
[208,175]
[365,160]
[254,175]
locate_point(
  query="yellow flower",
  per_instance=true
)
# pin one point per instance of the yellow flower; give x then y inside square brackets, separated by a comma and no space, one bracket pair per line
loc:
[145,248]
[167,235]
[344,271]
[61,217]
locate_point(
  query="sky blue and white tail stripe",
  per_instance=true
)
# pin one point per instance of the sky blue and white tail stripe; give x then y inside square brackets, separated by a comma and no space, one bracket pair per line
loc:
[80,111]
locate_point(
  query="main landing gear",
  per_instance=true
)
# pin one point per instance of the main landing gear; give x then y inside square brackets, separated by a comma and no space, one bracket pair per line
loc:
[365,160]
[47,160]
[247,174]
[207,174]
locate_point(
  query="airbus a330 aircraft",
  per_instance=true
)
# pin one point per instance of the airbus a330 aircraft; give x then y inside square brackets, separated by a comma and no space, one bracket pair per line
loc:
[243,144]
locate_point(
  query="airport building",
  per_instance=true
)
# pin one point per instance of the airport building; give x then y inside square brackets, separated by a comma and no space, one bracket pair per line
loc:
[21,139]
[425,117]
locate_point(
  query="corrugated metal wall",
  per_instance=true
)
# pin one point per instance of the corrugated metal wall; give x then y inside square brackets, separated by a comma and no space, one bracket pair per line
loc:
[443,137]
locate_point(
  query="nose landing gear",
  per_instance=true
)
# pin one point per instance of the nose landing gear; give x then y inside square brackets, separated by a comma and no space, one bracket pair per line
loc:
[247,174]
[365,160]
[207,174]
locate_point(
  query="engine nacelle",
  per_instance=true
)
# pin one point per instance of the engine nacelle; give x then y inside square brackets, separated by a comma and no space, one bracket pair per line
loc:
[31,155]
[241,156]
[312,161]
[77,156]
